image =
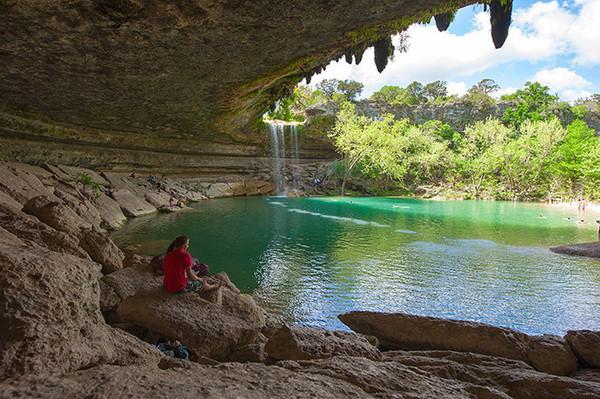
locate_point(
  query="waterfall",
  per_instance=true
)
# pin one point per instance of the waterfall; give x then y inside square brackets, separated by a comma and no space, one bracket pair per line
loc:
[277,130]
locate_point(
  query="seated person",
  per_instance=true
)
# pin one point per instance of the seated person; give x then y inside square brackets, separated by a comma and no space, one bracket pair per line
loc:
[177,268]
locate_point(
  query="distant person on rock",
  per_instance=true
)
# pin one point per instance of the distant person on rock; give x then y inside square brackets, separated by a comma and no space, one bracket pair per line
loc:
[178,273]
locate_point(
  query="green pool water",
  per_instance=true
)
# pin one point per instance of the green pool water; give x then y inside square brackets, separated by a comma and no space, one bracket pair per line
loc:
[310,259]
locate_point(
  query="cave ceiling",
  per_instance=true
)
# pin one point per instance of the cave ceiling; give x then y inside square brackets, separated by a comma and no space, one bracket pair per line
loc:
[189,68]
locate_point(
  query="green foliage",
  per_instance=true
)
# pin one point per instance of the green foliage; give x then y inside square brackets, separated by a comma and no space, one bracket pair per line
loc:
[537,160]
[534,103]
[350,89]
[88,181]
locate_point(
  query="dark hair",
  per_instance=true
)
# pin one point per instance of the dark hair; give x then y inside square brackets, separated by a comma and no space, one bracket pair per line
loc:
[178,243]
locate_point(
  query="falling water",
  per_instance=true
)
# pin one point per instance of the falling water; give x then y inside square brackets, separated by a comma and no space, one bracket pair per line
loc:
[277,131]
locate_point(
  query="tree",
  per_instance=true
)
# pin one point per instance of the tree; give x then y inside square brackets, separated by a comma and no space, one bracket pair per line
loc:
[480,153]
[485,86]
[416,93]
[387,94]
[435,90]
[534,102]
[348,88]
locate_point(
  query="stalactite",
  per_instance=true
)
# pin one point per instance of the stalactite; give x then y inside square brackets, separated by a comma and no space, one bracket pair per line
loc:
[358,52]
[500,19]
[348,56]
[442,21]
[308,78]
[383,49]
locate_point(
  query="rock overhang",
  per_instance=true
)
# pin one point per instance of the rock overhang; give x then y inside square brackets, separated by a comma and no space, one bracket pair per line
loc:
[199,69]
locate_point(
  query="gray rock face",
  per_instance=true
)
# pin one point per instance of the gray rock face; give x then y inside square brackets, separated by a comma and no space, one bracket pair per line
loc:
[57,215]
[102,250]
[549,354]
[52,322]
[586,345]
[303,343]
[132,205]
[20,185]
[219,190]
[110,212]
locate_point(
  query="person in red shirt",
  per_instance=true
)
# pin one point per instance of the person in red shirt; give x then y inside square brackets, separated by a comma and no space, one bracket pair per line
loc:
[177,267]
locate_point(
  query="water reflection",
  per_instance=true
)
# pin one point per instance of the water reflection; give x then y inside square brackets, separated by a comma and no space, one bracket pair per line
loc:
[310,259]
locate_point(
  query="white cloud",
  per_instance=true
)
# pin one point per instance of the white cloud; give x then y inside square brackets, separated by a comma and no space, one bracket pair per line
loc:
[543,32]
[567,83]
[458,88]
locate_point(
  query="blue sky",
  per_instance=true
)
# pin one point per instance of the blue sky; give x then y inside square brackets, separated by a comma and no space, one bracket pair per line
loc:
[554,42]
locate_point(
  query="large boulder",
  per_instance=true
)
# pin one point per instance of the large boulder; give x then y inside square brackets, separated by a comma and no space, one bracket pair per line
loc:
[56,214]
[206,328]
[304,343]
[110,212]
[219,190]
[551,354]
[78,201]
[159,199]
[132,205]
[51,322]
[408,332]
[586,345]
[22,186]
[102,249]
[29,228]
[131,280]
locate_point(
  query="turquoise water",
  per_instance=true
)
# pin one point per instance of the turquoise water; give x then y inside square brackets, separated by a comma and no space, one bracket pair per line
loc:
[310,259]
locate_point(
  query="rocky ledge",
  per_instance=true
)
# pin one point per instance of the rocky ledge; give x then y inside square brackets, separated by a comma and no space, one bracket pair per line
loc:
[78,315]
[589,249]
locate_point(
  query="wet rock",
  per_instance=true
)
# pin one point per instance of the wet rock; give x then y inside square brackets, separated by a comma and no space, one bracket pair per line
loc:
[207,329]
[304,343]
[131,205]
[586,345]
[589,249]
[237,188]
[102,249]
[158,199]
[551,354]
[51,321]
[110,212]
[219,190]
[56,214]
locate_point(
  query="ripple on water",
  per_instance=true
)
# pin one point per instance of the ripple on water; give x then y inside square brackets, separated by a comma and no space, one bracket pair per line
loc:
[309,260]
